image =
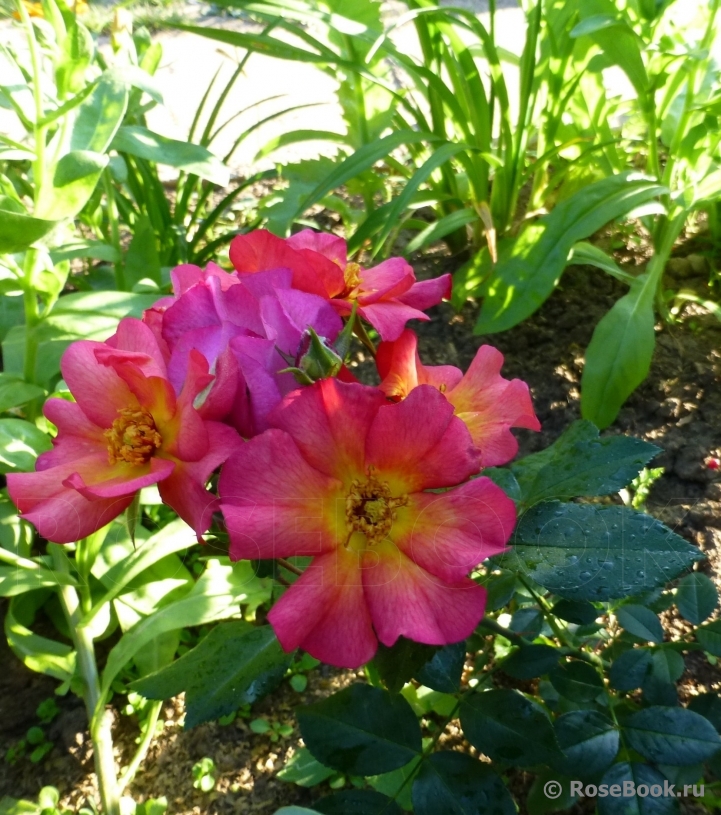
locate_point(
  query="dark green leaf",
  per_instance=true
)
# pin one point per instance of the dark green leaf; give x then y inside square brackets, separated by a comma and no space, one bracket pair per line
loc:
[191,158]
[357,802]
[528,272]
[577,681]
[618,357]
[668,665]
[589,742]
[709,636]
[580,463]
[530,661]
[509,727]
[234,665]
[696,597]
[501,588]
[458,784]
[361,730]
[443,671]
[587,552]
[637,774]
[398,664]
[671,735]
[707,705]
[578,612]
[658,692]
[20,444]
[629,670]
[527,622]
[641,622]
[506,480]
[302,769]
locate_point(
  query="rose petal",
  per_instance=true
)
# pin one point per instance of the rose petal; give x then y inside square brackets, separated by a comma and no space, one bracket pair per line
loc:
[329,422]
[404,600]
[275,503]
[448,534]
[420,444]
[325,612]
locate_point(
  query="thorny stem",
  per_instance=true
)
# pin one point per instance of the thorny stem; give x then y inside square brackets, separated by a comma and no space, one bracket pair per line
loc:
[286,564]
[429,749]
[100,730]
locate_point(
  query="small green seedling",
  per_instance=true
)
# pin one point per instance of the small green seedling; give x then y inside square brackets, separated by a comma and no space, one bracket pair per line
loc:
[203,777]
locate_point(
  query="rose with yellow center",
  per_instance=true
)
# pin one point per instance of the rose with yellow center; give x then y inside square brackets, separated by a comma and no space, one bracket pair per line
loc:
[386,295]
[126,430]
[133,437]
[344,476]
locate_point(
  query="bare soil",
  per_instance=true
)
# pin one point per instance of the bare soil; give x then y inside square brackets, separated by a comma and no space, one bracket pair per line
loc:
[677,408]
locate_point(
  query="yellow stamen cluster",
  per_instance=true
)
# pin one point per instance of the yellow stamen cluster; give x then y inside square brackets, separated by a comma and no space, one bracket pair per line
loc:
[133,438]
[352,276]
[371,509]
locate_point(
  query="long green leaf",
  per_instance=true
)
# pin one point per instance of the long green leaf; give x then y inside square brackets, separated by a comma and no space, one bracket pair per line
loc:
[216,596]
[444,226]
[529,269]
[619,355]
[295,136]
[439,157]
[263,44]
[361,160]
[175,537]
[191,158]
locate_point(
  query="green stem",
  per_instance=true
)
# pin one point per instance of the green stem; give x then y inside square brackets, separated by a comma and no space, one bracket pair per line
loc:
[654,164]
[691,91]
[98,718]
[562,635]
[32,318]
[360,331]
[39,130]
[112,210]
[126,779]
[496,628]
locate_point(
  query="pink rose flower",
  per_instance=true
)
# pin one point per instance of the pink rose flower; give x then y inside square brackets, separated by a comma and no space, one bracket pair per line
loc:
[343,476]
[387,295]
[242,328]
[126,430]
[488,404]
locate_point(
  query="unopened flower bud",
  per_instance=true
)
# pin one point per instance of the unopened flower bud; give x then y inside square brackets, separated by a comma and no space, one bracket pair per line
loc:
[316,358]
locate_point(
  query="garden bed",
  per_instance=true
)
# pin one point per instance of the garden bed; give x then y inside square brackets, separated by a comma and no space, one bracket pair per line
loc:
[676,408]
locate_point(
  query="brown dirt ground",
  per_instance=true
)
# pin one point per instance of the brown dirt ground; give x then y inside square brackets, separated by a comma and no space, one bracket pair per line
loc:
[677,408]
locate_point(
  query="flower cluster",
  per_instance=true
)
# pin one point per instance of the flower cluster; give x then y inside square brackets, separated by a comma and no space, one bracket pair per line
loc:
[380,486]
